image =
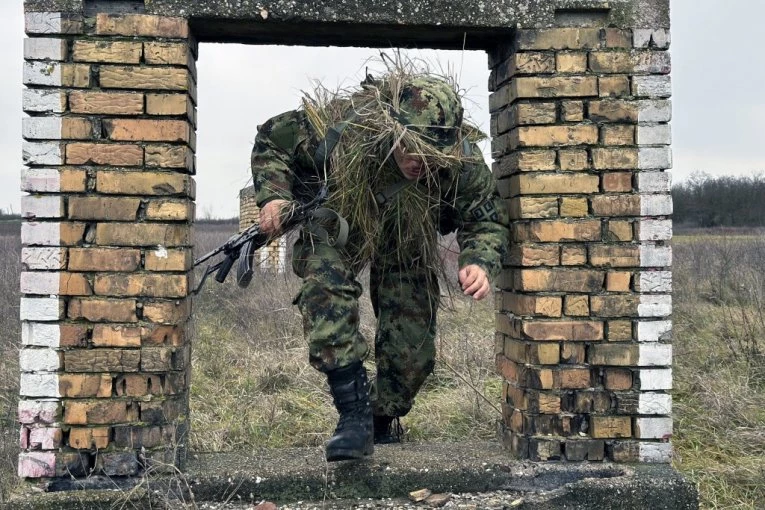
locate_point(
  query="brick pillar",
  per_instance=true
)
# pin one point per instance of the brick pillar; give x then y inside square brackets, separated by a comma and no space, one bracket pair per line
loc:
[109,153]
[273,256]
[581,140]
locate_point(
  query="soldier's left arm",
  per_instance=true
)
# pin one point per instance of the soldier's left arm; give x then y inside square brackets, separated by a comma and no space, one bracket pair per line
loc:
[482,218]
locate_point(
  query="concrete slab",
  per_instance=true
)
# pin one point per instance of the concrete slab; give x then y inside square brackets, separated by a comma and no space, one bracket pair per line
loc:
[288,476]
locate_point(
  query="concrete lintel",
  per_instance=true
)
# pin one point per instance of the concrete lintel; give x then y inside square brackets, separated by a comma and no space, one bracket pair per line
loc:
[348,23]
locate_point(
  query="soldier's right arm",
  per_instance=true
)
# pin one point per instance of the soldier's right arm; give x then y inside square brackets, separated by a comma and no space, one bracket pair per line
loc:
[273,157]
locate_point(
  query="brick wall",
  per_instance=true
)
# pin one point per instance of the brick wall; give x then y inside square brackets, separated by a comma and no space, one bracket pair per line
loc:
[581,142]
[109,152]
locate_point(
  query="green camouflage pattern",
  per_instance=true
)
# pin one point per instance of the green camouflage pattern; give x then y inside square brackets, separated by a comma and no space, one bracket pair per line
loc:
[432,108]
[405,296]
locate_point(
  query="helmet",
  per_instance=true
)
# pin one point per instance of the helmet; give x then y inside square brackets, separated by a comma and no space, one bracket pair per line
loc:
[431,107]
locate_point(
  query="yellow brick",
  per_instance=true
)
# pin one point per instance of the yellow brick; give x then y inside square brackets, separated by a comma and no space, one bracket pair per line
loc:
[616,205]
[614,159]
[559,231]
[133,285]
[170,210]
[166,53]
[571,62]
[116,52]
[142,25]
[114,103]
[75,75]
[615,255]
[604,427]
[76,128]
[577,306]
[559,86]
[618,134]
[534,184]
[104,154]
[168,260]
[170,156]
[534,255]
[572,111]
[143,183]
[533,207]
[618,281]
[545,136]
[573,207]
[613,111]
[561,280]
[147,130]
[156,78]
[167,104]
[142,234]
[620,230]
[614,86]
[573,159]
[573,255]
[105,335]
[619,331]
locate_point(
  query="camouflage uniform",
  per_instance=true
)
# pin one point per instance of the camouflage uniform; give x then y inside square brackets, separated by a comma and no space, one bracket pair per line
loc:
[404,295]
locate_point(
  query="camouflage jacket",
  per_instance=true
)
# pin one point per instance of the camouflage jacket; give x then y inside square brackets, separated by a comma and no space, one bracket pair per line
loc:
[283,168]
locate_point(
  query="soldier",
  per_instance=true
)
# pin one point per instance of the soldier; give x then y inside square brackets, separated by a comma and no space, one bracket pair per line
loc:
[401,165]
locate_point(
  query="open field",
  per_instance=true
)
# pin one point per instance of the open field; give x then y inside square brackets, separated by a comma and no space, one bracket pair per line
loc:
[252,385]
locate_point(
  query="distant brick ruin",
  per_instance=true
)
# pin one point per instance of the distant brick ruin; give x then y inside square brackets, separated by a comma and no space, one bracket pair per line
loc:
[580,125]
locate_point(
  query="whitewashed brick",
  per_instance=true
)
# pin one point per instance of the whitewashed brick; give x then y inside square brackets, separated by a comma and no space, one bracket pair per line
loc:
[38,282]
[38,411]
[655,281]
[648,182]
[659,87]
[41,309]
[654,230]
[657,453]
[43,100]
[655,379]
[43,153]
[52,23]
[43,258]
[42,128]
[44,438]
[40,180]
[40,334]
[655,305]
[40,234]
[43,73]
[641,37]
[654,355]
[654,110]
[650,38]
[42,206]
[653,428]
[43,22]
[661,38]
[658,134]
[655,403]
[39,360]
[655,256]
[654,158]
[45,48]
[37,465]
[656,205]
[39,385]
[653,331]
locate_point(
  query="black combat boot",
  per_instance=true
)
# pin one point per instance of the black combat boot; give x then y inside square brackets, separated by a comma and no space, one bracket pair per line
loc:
[353,436]
[388,429]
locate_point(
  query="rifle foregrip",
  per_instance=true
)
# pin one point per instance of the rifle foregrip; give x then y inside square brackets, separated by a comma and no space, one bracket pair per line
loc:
[222,273]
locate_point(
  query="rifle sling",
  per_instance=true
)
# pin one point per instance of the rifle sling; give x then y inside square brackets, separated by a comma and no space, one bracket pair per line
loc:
[326,216]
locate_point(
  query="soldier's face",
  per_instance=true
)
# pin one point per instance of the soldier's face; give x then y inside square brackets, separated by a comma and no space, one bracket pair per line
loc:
[411,165]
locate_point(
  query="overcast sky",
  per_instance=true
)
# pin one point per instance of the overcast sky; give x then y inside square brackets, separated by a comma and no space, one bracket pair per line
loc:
[718,73]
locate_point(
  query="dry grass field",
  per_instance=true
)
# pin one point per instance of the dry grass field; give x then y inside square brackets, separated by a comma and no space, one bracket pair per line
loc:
[252,385]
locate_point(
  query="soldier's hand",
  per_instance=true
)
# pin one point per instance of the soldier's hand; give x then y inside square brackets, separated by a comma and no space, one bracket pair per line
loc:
[474,281]
[271,216]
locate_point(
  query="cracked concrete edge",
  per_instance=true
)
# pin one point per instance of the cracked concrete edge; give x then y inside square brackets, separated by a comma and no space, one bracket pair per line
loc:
[451,14]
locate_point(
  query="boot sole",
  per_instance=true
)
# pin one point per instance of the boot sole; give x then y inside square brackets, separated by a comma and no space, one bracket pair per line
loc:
[350,454]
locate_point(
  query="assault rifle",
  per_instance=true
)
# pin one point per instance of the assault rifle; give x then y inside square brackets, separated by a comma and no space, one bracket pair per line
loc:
[252,239]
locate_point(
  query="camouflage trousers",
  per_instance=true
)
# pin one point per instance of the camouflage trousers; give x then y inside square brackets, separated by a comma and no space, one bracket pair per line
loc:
[404,303]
